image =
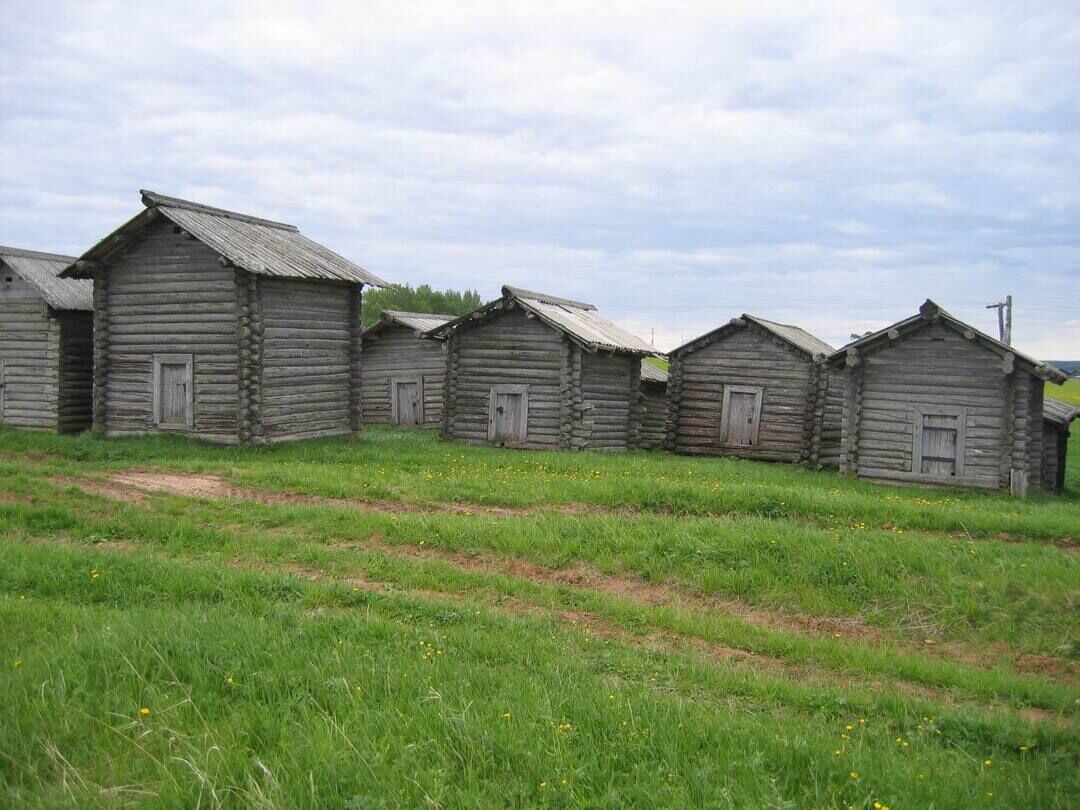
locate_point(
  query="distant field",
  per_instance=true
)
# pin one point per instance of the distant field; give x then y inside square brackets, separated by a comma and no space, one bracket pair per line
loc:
[1069,392]
[397,621]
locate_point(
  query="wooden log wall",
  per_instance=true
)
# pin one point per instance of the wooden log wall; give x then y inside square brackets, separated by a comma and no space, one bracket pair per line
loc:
[1026,437]
[674,404]
[101,349]
[306,358]
[832,409]
[168,293]
[30,353]
[396,351]
[356,358]
[608,390]
[76,372]
[934,367]
[752,357]
[508,348]
[654,415]
[1055,444]
[249,332]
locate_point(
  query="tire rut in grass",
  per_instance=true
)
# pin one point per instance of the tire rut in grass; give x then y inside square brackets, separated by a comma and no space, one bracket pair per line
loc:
[134,486]
[598,626]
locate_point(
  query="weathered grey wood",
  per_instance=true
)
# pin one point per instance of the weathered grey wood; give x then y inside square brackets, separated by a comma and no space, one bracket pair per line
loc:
[45,361]
[935,404]
[397,351]
[744,391]
[569,398]
[268,359]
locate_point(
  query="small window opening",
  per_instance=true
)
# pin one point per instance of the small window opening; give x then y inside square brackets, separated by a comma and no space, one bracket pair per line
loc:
[8,279]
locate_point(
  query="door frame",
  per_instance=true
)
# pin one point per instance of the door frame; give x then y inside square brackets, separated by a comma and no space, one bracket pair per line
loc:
[920,413]
[3,388]
[168,360]
[725,426]
[395,415]
[523,390]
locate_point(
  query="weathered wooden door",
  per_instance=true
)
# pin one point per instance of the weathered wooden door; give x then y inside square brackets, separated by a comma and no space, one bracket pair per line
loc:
[508,414]
[407,406]
[740,417]
[174,393]
[939,445]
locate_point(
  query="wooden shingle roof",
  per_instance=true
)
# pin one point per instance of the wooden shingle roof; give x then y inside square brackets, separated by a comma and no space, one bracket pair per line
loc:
[419,322]
[1058,412]
[41,271]
[930,312]
[259,246]
[576,319]
[794,336]
[653,374]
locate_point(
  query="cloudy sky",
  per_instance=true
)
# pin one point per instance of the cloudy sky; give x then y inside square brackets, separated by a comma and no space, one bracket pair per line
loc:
[830,164]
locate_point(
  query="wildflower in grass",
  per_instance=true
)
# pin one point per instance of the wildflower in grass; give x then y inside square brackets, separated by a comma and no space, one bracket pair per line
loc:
[506,715]
[1024,749]
[543,785]
[18,664]
[988,762]
[854,775]
[144,712]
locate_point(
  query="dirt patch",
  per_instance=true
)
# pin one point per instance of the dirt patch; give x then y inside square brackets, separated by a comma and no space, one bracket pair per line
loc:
[633,589]
[106,489]
[1035,664]
[132,485]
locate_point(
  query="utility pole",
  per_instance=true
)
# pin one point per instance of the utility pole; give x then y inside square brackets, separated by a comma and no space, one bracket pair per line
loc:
[1004,313]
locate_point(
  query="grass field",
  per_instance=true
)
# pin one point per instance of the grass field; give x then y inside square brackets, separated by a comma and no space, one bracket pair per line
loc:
[397,621]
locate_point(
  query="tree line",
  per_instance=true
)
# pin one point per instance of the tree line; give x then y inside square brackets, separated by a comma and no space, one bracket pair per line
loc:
[419,299]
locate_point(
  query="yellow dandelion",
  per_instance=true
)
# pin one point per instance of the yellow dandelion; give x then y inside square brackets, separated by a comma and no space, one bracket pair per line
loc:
[988,762]
[506,715]
[543,785]
[854,774]
[18,664]
[144,712]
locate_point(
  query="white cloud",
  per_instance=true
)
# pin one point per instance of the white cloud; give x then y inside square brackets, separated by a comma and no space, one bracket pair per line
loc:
[827,163]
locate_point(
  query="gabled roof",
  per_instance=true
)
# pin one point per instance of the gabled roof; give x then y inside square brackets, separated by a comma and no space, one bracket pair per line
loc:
[1058,412]
[652,374]
[258,246]
[419,322]
[40,271]
[794,336]
[930,312]
[576,319]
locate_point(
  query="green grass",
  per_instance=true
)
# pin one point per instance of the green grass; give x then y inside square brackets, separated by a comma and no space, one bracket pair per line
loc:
[1068,392]
[307,655]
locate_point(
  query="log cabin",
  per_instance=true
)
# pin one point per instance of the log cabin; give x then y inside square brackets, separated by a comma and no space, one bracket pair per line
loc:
[223,327]
[46,343]
[932,400]
[1057,417]
[654,382]
[404,370]
[536,371]
[756,389]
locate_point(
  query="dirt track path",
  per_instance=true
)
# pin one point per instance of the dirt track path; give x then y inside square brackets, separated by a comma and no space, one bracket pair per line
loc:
[134,486]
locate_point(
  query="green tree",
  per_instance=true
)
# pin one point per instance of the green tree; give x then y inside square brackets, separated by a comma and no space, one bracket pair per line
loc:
[421,299]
